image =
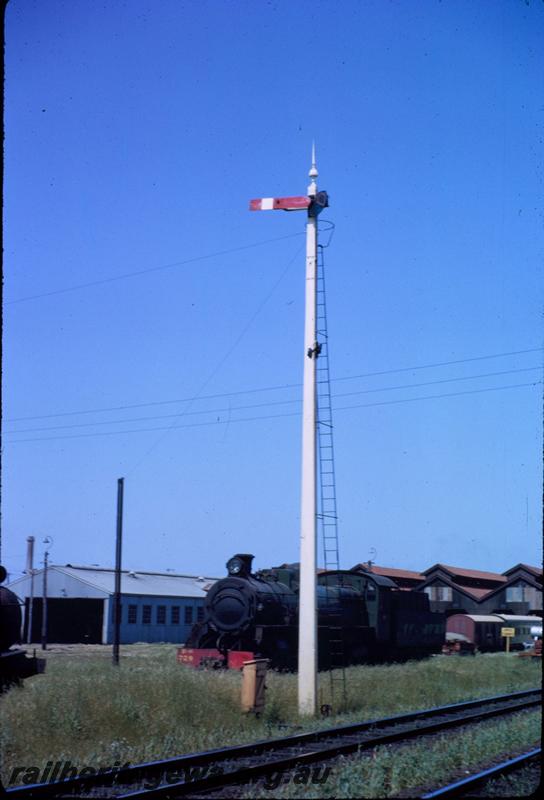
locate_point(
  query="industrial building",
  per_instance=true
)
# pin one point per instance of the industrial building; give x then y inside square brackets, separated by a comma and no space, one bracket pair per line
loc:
[458,589]
[164,606]
[155,606]
[455,590]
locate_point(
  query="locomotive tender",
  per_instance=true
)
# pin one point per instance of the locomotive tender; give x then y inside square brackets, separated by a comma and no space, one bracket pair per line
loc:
[257,613]
[14,664]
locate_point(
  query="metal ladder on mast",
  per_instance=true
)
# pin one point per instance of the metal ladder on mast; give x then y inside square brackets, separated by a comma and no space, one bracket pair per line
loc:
[327,513]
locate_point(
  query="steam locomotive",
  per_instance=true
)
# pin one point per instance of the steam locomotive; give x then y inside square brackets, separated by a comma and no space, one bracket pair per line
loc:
[15,665]
[367,615]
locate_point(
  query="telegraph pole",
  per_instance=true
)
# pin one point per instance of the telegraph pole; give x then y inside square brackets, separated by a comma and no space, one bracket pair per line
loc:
[30,571]
[314,202]
[117,594]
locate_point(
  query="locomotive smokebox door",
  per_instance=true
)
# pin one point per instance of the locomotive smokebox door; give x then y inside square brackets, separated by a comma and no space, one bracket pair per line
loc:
[253,685]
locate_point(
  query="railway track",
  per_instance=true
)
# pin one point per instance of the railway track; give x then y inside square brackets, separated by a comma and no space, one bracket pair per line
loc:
[467,786]
[214,771]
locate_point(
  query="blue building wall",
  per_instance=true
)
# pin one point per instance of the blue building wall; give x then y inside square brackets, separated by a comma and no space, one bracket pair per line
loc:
[154,609]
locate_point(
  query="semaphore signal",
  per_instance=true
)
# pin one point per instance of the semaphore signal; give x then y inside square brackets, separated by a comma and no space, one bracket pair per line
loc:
[314,202]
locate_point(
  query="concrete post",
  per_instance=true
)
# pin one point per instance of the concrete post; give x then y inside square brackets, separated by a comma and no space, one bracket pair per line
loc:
[307,637]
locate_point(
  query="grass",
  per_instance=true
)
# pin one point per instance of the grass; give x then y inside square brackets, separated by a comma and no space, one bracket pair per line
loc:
[410,770]
[522,784]
[93,714]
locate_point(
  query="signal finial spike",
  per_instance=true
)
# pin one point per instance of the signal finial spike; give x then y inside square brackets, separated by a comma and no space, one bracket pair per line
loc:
[313,173]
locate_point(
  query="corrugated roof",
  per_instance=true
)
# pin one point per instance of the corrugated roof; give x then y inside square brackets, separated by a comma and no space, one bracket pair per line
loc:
[468,573]
[391,572]
[165,584]
[477,617]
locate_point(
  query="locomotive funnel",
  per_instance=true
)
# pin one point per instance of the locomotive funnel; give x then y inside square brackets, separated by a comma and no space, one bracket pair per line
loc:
[240,564]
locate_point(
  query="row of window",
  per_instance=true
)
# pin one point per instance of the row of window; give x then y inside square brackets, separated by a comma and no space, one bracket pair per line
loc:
[160,615]
[491,627]
[514,594]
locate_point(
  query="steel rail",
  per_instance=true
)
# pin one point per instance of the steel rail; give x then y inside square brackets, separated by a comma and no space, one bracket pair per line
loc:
[465,785]
[141,772]
[252,773]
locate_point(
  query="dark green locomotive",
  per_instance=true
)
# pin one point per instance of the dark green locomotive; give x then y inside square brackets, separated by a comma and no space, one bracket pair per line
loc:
[373,618]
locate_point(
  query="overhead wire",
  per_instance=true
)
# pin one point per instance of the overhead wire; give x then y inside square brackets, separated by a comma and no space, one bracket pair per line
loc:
[440,396]
[231,408]
[200,396]
[222,360]
[443,363]
[277,416]
[276,387]
[148,270]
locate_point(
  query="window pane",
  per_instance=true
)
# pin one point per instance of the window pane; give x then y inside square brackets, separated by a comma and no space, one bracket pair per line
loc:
[132,615]
[146,615]
[188,614]
[161,615]
[175,615]
[200,613]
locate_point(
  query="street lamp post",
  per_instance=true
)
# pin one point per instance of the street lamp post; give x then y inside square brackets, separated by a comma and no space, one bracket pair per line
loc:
[48,542]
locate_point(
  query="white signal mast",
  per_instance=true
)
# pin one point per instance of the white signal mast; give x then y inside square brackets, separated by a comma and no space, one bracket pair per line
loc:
[314,202]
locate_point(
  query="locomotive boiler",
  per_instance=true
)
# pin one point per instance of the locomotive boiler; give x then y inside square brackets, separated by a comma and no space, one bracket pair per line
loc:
[14,663]
[367,615]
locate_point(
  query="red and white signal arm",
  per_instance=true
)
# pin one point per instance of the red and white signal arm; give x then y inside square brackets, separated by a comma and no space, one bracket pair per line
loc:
[280,203]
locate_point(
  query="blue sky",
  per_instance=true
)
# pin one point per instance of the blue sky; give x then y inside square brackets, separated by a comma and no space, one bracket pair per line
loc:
[136,133]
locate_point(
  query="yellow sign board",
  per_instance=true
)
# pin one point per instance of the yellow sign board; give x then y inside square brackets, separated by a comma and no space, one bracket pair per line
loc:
[508,631]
